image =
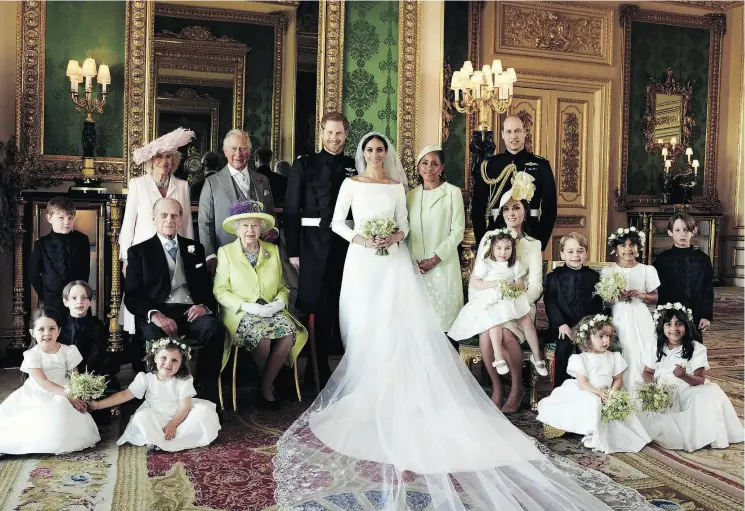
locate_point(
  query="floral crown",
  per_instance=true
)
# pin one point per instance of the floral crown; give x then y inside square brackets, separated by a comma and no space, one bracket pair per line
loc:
[672,306]
[589,323]
[500,232]
[165,341]
[621,232]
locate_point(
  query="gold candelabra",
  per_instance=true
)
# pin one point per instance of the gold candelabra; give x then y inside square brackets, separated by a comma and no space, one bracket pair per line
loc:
[684,178]
[88,104]
[484,91]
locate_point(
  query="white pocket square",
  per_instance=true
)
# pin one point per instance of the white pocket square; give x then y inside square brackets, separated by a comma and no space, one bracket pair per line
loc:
[199,265]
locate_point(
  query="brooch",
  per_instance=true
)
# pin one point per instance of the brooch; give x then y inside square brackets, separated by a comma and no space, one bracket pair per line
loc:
[349,171]
[531,164]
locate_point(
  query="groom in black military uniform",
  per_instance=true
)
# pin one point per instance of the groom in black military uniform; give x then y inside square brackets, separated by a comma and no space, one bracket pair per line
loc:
[494,180]
[314,250]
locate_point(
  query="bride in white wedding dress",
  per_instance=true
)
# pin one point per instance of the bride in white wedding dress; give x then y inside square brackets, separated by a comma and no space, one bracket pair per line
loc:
[402,424]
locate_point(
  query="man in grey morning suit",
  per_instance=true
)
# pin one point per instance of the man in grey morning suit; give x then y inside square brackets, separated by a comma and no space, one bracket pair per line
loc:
[235,181]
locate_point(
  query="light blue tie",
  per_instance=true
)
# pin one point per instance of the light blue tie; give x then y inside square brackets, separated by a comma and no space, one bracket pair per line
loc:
[172,248]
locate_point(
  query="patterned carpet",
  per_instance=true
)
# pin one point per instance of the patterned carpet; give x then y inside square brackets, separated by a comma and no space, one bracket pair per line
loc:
[235,472]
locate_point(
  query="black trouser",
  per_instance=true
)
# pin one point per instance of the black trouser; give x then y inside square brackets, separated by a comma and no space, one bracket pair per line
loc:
[209,335]
[327,339]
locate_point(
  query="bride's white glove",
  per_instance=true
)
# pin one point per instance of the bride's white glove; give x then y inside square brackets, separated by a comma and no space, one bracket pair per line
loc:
[257,309]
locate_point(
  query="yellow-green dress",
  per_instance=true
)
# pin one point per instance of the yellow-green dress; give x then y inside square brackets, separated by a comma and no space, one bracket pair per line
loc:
[437,221]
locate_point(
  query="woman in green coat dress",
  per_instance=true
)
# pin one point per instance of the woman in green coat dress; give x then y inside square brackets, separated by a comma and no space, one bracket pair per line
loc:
[437,221]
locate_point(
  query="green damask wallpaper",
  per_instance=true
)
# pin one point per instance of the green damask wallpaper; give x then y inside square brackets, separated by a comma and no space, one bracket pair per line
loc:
[456,52]
[257,104]
[370,81]
[653,48]
[75,31]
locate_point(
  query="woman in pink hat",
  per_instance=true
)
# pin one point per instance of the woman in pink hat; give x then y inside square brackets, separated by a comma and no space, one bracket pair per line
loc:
[159,159]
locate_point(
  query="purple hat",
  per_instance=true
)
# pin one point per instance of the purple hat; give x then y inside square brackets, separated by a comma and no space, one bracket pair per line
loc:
[246,208]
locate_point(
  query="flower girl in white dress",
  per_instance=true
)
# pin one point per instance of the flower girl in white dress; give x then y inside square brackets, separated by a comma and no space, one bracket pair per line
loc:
[496,296]
[575,406]
[39,417]
[631,316]
[701,413]
[170,418]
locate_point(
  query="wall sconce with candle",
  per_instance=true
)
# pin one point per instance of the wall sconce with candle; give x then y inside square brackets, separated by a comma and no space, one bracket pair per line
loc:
[682,177]
[88,104]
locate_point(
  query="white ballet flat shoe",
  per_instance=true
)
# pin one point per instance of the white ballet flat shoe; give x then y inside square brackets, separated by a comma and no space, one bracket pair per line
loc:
[540,366]
[501,366]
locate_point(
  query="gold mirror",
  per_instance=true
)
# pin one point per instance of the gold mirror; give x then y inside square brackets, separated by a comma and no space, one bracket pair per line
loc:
[196,75]
[668,114]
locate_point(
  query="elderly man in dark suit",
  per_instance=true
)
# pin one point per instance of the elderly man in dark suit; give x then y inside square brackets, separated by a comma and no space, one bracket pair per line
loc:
[235,181]
[170,293]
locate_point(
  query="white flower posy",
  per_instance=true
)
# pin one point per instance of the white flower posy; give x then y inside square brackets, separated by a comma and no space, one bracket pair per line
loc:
[191,249]
[668,306]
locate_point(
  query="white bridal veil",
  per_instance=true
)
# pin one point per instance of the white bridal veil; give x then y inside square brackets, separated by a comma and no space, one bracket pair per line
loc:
[392,163]
[402,425]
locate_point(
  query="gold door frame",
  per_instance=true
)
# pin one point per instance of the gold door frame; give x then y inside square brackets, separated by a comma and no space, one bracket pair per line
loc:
[30,62]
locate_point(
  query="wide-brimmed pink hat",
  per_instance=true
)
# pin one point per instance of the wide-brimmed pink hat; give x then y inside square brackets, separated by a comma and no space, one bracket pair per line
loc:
[168,142]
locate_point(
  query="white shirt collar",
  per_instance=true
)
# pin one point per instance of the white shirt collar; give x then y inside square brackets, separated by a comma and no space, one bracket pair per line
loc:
[233,171]
[164,240]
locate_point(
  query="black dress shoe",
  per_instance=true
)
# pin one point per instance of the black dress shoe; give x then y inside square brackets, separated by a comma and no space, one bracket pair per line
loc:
[268,405]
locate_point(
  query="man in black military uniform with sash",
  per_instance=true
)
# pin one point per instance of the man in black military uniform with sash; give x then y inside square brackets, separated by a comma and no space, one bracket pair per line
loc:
[314,250]
[495,177]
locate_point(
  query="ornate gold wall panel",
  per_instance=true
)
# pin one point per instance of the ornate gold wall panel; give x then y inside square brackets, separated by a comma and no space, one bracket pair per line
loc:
[409,21]
[554,100]
[571,152]
[30,55]
[330,60]
[278,20]
[555,31]
[570,221]
[528,108]
[140,26]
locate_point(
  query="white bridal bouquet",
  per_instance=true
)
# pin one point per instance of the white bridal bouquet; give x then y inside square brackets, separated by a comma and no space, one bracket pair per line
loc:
[379,227]
[610,286]
[85,386]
